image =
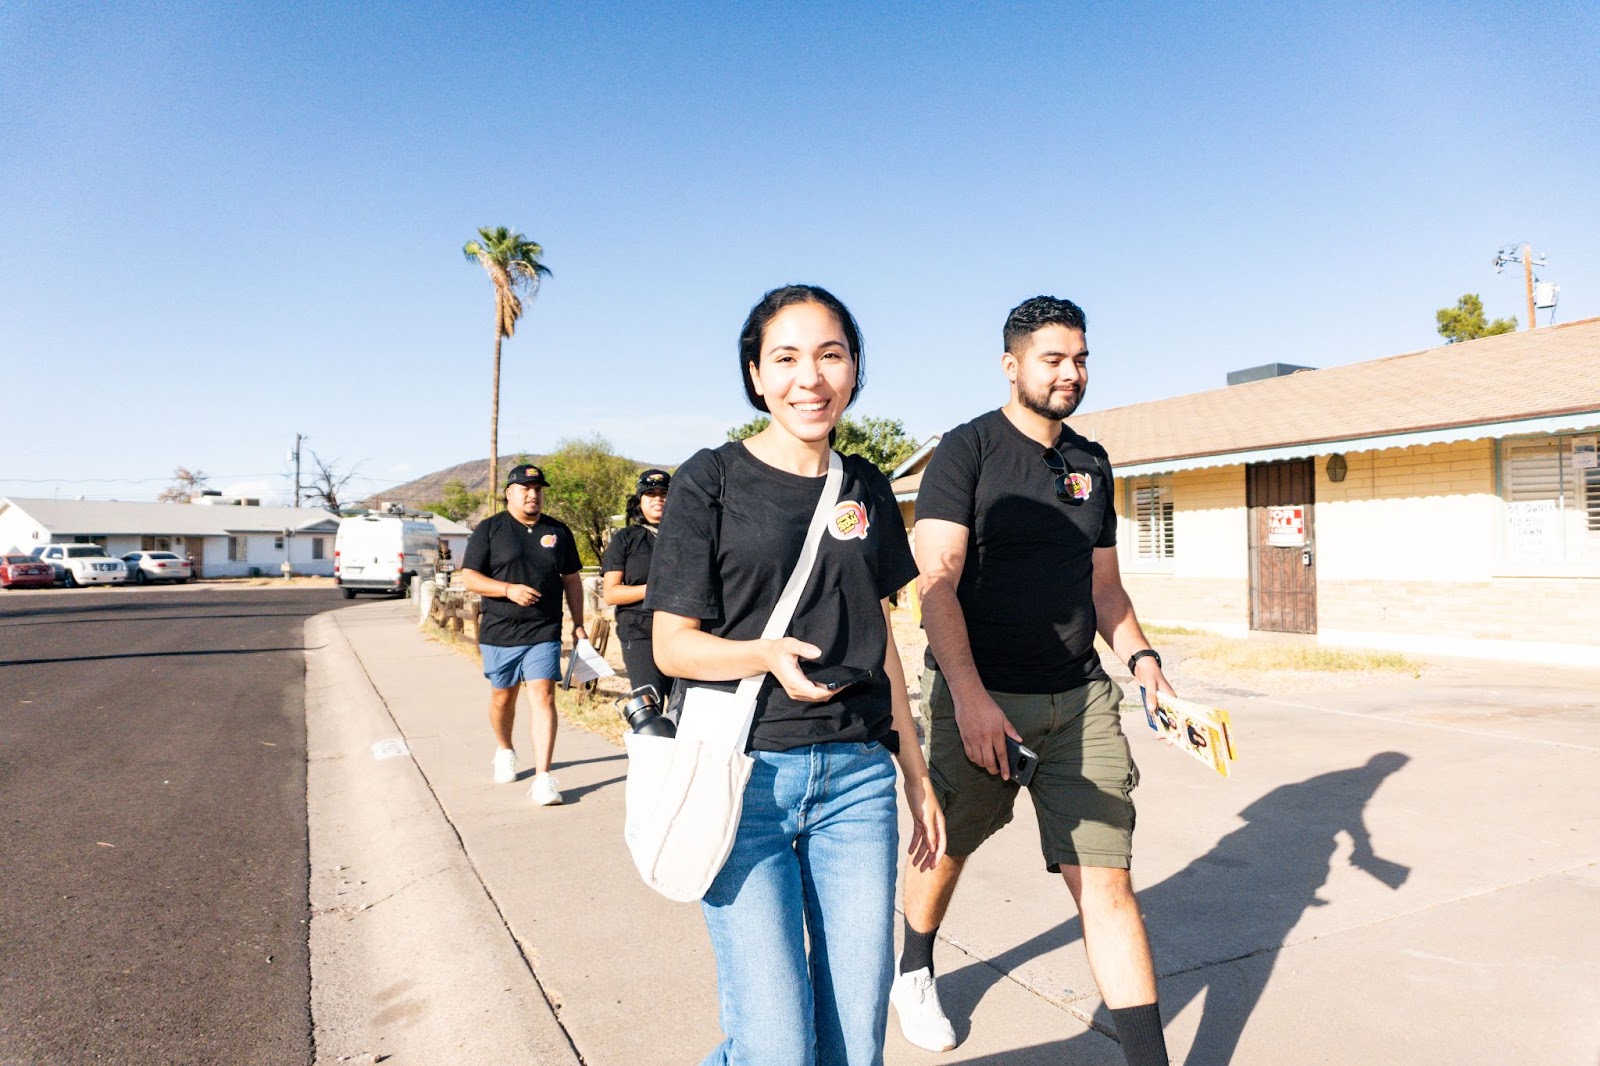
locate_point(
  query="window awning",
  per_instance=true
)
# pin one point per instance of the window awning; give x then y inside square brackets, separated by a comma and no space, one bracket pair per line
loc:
[1567,423]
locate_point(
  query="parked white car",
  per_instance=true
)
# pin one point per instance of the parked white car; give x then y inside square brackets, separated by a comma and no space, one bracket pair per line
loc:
[82,564]
[156,566]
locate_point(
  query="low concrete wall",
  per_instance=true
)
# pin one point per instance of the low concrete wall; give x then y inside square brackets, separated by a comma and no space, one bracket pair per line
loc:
[1552,620]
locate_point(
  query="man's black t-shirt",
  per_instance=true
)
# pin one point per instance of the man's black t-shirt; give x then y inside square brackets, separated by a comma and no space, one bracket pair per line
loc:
[538,556]
[730,539]
[629,552]
[1027,589]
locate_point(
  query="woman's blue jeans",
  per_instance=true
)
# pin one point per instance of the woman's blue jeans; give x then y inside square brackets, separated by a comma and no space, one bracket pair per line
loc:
[814,856]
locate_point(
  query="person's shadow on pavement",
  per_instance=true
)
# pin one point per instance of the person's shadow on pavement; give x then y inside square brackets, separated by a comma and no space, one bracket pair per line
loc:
[1237,903]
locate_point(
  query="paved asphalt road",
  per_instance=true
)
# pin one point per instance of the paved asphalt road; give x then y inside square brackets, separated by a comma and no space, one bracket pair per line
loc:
[153,899]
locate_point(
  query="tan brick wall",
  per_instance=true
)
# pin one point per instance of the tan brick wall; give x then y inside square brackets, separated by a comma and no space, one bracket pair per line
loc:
[1209,519]
[1408,513]
[1541,610]
[1551,610]
[1217,603]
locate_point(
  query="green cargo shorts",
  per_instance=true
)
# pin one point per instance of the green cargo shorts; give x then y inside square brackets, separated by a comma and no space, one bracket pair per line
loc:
[1081,790]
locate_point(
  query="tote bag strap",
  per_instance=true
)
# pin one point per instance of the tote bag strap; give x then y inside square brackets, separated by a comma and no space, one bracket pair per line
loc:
[783,613]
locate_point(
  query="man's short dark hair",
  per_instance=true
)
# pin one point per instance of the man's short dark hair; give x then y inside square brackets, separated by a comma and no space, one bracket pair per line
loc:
[1030,316]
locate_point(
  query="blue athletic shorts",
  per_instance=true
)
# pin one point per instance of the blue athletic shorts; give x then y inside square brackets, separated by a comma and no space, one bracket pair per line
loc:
[509,667]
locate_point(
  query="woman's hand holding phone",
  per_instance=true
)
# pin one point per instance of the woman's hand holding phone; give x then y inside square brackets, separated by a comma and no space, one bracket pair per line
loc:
[783,662]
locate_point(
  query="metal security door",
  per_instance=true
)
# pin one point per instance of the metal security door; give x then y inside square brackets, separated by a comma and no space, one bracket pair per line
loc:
[1283,556]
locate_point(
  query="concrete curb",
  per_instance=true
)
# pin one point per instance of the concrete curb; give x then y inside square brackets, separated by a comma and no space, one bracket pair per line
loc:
[410,958]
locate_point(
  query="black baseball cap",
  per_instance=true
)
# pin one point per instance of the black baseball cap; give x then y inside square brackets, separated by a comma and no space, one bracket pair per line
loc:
[526,474]
[653,481]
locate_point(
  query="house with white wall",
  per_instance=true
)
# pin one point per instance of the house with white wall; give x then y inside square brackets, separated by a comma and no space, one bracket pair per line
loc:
[226,537]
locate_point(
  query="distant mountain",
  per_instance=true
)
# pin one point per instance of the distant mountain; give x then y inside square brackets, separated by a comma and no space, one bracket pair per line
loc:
[430,487]
[474,475]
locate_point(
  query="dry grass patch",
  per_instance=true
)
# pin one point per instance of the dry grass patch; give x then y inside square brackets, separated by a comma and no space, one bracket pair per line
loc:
[1269,663]
[1272,656]
[593,711]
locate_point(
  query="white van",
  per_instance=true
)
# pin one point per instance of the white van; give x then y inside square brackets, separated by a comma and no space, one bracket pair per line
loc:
[383,553]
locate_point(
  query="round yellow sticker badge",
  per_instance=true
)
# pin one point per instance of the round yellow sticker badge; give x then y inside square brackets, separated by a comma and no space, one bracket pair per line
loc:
[547,541]
[849,521]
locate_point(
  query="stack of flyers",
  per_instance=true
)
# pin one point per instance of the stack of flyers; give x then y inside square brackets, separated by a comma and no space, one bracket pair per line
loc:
[1204,732]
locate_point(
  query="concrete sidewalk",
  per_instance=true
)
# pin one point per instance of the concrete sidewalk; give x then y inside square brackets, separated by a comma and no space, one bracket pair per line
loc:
[1397,873]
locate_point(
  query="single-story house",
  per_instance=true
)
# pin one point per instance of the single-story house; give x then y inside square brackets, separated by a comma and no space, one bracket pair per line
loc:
[226,537]
[1443,501]
[1446,501]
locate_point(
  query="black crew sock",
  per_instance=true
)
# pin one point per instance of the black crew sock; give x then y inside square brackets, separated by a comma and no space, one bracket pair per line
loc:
[1139,1030]
[918,950]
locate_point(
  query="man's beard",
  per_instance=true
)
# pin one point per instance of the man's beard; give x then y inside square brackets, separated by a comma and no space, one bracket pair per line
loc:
[1040,403]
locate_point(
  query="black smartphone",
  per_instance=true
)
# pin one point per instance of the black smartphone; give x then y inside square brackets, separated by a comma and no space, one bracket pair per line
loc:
[834,678]
[1023,761]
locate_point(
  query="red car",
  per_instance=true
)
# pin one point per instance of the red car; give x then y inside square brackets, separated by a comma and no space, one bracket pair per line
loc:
[25,572]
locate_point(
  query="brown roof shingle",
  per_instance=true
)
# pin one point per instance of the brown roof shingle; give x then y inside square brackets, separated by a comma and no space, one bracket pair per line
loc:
[1549,371]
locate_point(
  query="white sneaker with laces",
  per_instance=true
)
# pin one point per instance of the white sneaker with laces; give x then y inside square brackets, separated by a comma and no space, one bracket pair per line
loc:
[544,791]
[505,766]
[922,1020]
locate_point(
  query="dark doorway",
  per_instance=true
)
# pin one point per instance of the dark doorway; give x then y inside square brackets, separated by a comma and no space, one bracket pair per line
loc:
[1283,556]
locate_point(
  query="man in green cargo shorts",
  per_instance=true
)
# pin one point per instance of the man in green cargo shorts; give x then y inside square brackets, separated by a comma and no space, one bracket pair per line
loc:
[1016,544]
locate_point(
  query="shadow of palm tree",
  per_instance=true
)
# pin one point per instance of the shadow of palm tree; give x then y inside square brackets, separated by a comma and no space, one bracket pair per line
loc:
[1237,903]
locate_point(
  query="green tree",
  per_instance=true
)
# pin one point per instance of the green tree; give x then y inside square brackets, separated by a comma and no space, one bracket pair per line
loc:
[458,502]
[1467,322]
[750,428]
[589,486]
[881,441]
[513,264]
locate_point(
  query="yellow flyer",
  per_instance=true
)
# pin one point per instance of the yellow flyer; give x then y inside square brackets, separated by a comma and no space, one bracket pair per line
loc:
[1204,732]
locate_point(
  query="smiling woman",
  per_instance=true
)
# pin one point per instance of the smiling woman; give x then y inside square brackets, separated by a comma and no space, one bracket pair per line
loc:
[816,844]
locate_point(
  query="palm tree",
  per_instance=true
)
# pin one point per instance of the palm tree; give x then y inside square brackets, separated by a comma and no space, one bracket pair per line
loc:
[512,263]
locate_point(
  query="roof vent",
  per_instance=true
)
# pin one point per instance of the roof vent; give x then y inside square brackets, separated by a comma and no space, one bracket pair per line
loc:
[1263,372]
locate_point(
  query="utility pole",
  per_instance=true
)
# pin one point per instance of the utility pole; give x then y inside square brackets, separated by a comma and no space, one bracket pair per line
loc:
[1512,254]
[295,455]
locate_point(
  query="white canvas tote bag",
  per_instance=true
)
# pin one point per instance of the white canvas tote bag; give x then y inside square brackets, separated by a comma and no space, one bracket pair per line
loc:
[684,793]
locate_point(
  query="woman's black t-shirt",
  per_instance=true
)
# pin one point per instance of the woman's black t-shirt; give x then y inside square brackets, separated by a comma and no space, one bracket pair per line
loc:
[629,552]
[732,534]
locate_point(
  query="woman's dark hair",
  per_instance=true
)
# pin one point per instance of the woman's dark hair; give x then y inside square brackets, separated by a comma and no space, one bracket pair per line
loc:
[634,513]
[755,327]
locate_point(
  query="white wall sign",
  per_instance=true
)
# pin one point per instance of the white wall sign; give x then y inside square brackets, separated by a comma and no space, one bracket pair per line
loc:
[1533,531]
[1286,527]
[1585,454]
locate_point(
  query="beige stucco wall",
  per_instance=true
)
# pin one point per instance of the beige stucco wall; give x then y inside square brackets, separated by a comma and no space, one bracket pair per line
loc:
[1422,513]
[1408,556]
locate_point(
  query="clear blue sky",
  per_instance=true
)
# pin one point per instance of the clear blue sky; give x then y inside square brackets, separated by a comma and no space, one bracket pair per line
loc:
[225,224]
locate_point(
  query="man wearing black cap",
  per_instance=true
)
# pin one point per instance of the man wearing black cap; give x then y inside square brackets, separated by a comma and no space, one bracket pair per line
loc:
[625,571]
[522,561]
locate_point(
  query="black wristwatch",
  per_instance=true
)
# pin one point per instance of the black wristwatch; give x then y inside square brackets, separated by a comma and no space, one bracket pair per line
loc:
[1133,660]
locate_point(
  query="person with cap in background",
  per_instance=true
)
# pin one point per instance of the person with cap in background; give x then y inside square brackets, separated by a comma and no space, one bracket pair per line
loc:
[625,571]
[522,562]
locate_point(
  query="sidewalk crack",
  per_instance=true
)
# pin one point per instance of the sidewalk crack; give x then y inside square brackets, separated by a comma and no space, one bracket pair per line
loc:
[550,1001]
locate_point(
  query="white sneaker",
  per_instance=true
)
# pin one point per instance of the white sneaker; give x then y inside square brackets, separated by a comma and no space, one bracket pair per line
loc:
[544,791]
[922,1020]
[505,766]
